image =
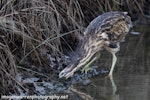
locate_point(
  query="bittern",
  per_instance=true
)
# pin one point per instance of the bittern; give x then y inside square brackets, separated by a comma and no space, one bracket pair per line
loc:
[104,33]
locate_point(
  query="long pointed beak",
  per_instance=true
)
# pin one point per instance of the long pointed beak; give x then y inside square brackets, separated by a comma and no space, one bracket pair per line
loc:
[65,72]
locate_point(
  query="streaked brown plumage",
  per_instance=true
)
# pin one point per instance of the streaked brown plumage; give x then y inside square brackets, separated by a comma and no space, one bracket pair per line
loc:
[104,32]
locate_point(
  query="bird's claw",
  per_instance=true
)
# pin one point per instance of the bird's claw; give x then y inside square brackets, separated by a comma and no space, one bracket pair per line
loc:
[85,70]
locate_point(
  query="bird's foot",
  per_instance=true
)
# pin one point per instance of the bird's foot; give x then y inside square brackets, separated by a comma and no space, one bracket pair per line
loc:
[92,71]
[85,70]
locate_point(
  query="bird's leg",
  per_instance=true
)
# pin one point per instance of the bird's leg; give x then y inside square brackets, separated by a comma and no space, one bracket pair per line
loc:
[113,85]
[86,68]
[114,59]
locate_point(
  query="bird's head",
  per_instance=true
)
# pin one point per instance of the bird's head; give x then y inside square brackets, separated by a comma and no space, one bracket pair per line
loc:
[66,71]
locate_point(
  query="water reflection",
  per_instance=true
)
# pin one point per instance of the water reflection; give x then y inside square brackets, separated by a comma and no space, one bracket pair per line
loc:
[122,87]
[131,79]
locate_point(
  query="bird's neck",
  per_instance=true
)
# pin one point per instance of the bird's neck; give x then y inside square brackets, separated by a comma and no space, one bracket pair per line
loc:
[84,51]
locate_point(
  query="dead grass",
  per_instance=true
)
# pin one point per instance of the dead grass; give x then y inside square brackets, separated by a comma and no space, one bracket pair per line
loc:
[32,29]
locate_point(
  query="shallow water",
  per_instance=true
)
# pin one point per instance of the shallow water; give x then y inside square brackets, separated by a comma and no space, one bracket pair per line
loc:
[131,78]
